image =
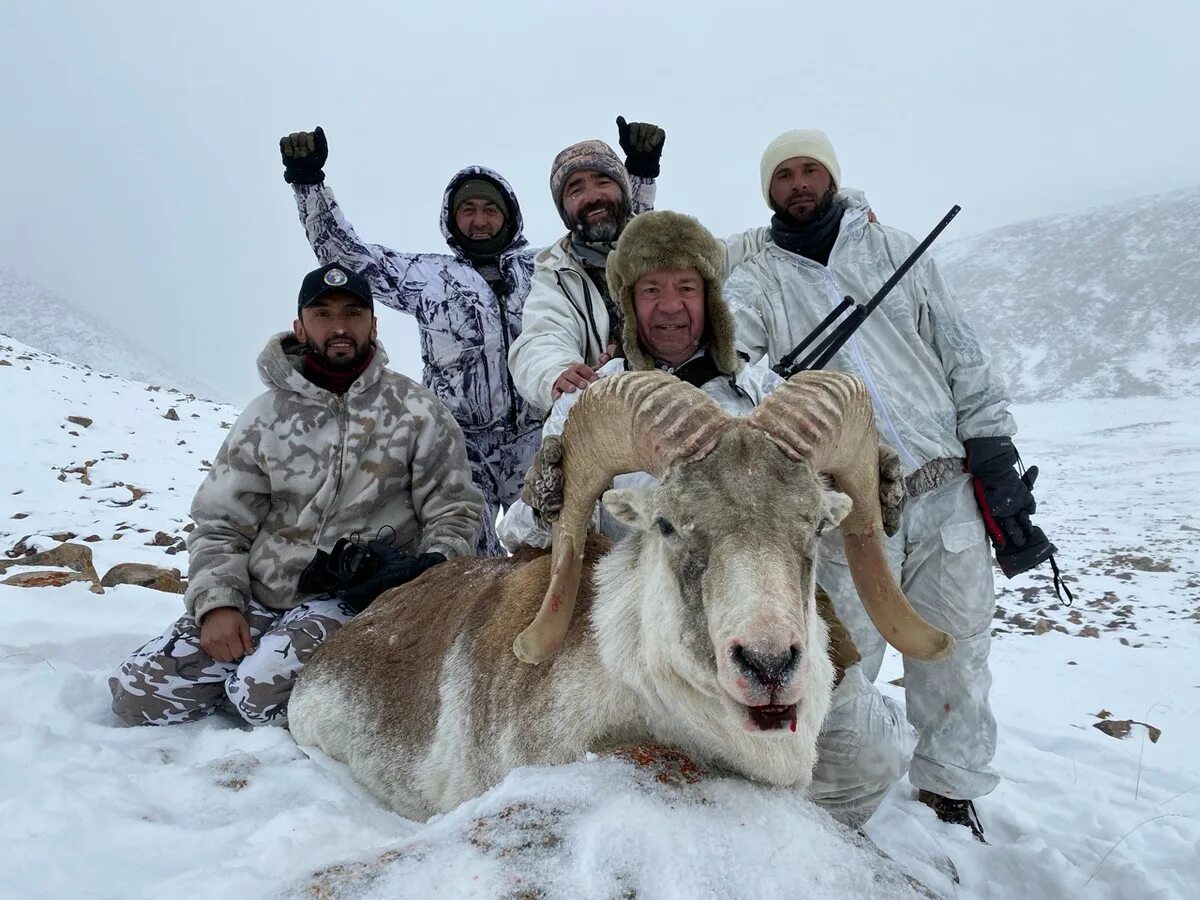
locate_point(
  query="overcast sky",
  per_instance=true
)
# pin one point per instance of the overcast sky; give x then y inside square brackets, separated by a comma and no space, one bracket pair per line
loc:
[141,176]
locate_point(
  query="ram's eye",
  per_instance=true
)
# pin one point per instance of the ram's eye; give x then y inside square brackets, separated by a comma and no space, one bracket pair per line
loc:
[822,527]
[664,526]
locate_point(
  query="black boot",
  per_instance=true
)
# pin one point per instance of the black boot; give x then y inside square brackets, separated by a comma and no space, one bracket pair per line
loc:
[956,812]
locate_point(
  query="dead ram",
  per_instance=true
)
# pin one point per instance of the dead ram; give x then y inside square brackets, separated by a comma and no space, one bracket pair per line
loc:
[699,628]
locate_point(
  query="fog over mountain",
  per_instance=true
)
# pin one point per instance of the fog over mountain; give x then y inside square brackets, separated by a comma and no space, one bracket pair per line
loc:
[46,321]
[1103,303]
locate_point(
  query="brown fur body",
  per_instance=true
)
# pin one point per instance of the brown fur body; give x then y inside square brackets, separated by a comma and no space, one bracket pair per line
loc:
[430,644]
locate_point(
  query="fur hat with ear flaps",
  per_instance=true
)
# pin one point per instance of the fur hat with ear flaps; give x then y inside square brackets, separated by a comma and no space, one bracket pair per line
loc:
[670,240]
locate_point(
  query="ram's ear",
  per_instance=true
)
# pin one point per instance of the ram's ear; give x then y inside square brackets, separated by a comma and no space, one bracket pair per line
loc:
[836,507]
[629,506]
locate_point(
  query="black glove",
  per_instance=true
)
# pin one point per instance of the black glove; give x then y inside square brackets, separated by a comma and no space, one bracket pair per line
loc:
[1006,501]
[389,568]
[643,146]
[304,154]
[356,573]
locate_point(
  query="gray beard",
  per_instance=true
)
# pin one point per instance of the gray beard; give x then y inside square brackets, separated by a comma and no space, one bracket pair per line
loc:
[604,232]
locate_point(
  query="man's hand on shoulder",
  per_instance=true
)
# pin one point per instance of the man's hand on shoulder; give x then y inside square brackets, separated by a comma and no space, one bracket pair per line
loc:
[573,378]
[225,634]
[304,154]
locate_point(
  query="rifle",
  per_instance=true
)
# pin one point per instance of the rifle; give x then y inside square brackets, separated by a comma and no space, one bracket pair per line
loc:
[823,352]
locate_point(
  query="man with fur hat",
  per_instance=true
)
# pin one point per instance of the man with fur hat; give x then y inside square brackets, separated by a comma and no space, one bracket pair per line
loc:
[940,403]
[572,323]
[338,445]
[468,303]
[665,277]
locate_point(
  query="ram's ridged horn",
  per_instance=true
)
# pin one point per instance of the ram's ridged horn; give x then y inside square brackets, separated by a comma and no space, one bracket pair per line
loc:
[633,422]
[826,418]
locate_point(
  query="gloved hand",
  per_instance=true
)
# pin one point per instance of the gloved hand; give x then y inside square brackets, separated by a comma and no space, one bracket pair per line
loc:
[543,488]
[1006,501]
[892,494]
[389,568]
[643,146]
[304,154]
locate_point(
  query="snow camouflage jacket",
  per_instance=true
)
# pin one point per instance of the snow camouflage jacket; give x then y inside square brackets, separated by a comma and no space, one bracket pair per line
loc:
[520,527]
[466,330]
[566,321]
[932,384]
[303,467]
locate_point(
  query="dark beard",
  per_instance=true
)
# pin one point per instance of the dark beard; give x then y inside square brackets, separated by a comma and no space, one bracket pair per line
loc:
[818,211]
[339,365]
[602,232]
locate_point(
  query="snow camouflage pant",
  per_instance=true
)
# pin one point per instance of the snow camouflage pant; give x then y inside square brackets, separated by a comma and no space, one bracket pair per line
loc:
[499,462]
[864,748]
[942,562]
[170,679]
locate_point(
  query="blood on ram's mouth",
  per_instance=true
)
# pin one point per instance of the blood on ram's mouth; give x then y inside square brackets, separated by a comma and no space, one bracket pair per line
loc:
[773,716]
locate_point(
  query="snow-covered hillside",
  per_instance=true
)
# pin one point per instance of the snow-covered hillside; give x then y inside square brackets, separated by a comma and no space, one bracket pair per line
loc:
[46,321]
[1103,303]
[91,809]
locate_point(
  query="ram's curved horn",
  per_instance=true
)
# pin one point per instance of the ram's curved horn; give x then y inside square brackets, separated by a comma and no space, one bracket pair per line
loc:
[827,419]
[633,422]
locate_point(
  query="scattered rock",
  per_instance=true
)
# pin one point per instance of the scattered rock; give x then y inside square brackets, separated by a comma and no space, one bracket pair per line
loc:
[20,515]
[136,494]
[54,578]
[161,539]
[171,415]
[143,575]
[81,421]
[5,362]
[1089,631]
[92,538]
[189,527]
[1142,563]
[1043,625]
[75,557]
[1120,728]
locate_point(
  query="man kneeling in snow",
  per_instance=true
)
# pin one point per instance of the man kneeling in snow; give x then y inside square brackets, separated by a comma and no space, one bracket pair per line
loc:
[338,446]
[665,273]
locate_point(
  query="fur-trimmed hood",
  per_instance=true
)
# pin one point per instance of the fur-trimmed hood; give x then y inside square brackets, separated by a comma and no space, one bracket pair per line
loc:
[671,240]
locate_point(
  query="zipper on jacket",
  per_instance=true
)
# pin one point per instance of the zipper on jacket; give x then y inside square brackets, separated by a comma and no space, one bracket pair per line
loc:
[341,408]
[586,317]
[512,388]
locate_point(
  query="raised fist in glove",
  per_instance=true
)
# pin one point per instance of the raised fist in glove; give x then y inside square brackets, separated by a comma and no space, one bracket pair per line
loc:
[304,154]
[1006,501]
[543,488]
[643,146]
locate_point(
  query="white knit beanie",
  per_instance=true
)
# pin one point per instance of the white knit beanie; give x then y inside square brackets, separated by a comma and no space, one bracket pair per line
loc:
[802,142]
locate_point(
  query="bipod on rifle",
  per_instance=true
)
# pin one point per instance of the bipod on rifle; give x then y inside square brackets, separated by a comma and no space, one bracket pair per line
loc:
[823,352]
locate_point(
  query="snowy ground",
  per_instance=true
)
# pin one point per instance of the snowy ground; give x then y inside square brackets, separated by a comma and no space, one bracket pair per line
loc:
[90,809]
